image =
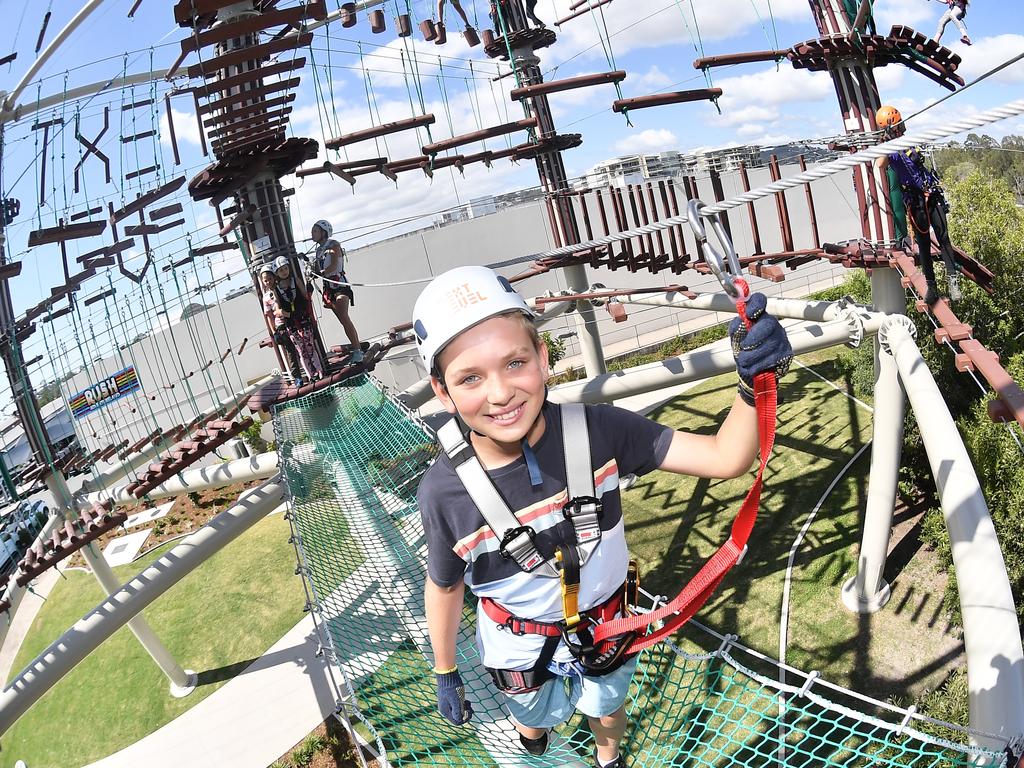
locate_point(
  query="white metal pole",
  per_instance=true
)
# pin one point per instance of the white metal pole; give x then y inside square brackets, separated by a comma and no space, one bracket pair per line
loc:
[20,111]
[995,657]
[113,613]
[43,57]
[586,321]
[182,683]
[868,591]
[257,467]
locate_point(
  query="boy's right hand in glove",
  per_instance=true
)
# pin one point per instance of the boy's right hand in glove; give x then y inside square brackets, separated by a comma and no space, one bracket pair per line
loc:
[451,697]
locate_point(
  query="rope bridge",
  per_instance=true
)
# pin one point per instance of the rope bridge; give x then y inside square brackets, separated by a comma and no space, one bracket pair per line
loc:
[352,458]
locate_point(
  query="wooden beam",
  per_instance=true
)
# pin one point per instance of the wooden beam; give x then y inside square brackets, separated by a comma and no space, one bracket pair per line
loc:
[249,109]
[380,130]
[316,9]
[486,133]
[662,99]
[145,199]
[251,76]
[212,67]
[569,83]
[65,232]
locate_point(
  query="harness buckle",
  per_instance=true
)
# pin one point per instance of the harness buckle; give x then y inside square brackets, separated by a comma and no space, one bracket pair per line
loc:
[518,544]
[583,513]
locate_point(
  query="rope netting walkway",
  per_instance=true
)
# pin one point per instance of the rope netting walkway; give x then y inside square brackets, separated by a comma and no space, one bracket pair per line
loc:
[352,458]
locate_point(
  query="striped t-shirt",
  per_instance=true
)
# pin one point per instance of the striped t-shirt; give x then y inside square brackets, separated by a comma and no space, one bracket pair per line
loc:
[462,545]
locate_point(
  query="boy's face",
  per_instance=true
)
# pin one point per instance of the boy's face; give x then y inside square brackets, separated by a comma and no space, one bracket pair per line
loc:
[494,378]
[283,272]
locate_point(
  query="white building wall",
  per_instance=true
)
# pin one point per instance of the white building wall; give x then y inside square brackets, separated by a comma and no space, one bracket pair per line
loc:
[397,268]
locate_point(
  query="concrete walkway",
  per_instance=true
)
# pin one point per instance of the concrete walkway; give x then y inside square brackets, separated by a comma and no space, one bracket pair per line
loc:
[249,722]
[23,618]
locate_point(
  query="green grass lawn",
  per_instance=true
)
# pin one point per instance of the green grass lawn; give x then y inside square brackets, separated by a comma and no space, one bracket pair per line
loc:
[215,621]
[674,523]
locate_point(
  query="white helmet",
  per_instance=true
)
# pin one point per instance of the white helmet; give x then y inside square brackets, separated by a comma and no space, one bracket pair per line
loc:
[281,261]
[267,268]
[325,225]
[457,300]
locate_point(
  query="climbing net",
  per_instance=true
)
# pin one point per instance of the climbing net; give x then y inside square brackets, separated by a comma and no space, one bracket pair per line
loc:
[352,457]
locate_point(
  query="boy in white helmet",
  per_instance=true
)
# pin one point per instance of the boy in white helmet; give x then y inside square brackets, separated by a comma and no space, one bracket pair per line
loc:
[488,365]
[329,262]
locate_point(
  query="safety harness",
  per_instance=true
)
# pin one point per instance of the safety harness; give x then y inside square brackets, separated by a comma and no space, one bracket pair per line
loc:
[518,543]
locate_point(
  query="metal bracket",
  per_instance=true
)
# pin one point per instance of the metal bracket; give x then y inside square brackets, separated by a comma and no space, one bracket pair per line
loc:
[726,267]
[895,320]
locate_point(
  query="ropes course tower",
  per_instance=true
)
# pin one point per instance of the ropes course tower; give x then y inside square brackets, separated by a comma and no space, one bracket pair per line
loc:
[246,119]
[518,43]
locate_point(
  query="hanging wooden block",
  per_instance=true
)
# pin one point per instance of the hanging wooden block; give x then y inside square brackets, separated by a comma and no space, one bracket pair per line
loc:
[428,29]
[377,22]
[167,210]
[63,233]
[404,25]
[472,38]
[442,35]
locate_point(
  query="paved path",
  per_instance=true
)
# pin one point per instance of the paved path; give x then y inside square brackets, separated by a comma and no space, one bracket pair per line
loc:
[249,722]
[23,618]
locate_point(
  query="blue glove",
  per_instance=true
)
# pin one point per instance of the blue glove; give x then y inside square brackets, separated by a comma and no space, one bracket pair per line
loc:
[451,698]
[765,347]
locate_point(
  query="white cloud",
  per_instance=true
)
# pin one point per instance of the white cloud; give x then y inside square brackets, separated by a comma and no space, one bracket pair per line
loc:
[651,80]
[914,13]
[650,140]
[988,53]
[748,114]
[186,129]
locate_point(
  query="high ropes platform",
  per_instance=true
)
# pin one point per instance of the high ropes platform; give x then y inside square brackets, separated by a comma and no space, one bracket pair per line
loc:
[352,457]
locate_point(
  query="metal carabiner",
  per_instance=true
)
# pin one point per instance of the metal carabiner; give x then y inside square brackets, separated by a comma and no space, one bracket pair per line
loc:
[725,269]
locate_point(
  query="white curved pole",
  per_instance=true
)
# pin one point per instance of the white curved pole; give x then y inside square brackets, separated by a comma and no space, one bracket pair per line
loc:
[995,658]
[218,475]
[42,58]
[10,114]
[101,622]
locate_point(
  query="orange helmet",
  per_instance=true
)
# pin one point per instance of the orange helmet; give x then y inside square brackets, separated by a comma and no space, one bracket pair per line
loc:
[887,116]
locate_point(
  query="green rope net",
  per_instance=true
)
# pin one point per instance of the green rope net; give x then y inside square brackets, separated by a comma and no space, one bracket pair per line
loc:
[352,458]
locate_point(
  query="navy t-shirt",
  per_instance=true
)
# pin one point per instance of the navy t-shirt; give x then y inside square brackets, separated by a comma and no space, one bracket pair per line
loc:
[462,546]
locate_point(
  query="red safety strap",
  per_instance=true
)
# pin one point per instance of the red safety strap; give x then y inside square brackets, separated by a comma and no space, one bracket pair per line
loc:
[700,588]
[501,615]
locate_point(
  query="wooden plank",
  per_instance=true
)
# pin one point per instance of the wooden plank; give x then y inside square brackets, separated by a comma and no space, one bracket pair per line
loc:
[251,76]
[215,248]
[316,9]
[380,130]
[212,67]
[247,95]
[99,297]
[486,133]
[9,270]
[249,109]
[137,137]
[250,123]
[167,210]
[65,232]
[145,199]
[86,213]
[141,172]
[136,104]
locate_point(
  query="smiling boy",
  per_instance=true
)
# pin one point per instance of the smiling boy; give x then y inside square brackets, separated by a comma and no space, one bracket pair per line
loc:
[489,367]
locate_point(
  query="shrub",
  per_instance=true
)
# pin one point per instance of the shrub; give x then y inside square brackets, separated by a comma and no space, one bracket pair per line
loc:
[254,439]
[556,348]
[303,754]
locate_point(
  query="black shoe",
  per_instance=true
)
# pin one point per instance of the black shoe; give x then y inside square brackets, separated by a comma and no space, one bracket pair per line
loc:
[932,295]
[618,762]
[535,747]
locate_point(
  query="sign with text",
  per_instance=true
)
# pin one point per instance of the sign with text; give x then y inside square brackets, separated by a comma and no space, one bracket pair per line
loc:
[103,393]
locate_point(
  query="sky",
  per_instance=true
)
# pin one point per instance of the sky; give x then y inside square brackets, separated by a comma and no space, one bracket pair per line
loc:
[354,79]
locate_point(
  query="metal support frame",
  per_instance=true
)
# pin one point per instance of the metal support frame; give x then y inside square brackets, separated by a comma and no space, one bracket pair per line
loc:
[992,640]
[182,682]
[105,619]
[867,591]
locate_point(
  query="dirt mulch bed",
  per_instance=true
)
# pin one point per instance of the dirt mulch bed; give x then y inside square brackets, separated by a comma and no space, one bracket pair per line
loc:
[328,746]
[190,512]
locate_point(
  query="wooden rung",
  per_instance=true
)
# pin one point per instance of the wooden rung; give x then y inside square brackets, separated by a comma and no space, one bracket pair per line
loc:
[137,137]
[212,67]
[236,113]
[570,83]
[662,99]
[141,172]
[380,130]
[8,58]
[66,232]
[251,24]
[145,199]
[9,270]
[215,248]
[486,133]
[167,210]
[250,94]
[86,213]
[99,296]
[136,104]
[251,76]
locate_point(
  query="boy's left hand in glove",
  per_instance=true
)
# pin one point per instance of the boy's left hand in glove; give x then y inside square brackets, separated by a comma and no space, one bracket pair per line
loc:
[764,347]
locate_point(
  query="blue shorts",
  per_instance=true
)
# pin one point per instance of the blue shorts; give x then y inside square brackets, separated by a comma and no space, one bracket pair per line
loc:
[555,701]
